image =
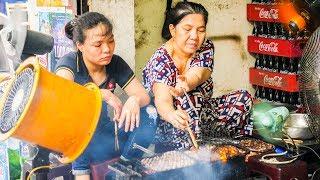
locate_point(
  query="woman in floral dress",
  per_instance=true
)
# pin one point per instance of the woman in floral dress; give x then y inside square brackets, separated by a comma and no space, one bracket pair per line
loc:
[178,76]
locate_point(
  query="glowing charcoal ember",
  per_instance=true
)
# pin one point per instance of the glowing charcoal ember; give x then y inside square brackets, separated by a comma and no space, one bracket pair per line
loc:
[226,152]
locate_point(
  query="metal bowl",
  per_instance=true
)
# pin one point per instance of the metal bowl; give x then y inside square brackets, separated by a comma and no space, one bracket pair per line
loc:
[296,126]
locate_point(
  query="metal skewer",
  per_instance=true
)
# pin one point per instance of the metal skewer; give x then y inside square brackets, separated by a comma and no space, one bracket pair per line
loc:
[116,138]
[188,129]
[136,146]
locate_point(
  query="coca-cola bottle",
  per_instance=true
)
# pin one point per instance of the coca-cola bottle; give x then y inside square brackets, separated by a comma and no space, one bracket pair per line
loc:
[266,94]
[263,93]
[291,66]
[275,64]
[273,95]
[284,65]
[256,1]
[283,32]
[290,98]
[294,65]
[283,97]
[265,1]
[287,100]
[264,62]
[295,97]
[291,35]
[298,99]
[299,67]
[255,29]
[269,94]
[263,29]
[268,30]
[306,34]
[257,62]
[276,96]
[270,65]
[258,92]
[276,30]
[272,32]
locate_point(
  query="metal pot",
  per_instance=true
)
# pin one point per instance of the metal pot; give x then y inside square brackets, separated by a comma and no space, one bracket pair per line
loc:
[296,126]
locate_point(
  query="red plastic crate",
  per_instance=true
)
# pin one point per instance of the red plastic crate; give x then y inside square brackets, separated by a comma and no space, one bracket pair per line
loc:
[266,12]
[275,47]
[263,12]
[284,82]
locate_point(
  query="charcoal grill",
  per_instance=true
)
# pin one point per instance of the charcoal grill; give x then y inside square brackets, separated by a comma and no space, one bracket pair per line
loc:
[179,165]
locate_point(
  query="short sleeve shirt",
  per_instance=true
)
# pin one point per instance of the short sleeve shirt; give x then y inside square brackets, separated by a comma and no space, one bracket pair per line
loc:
[161,69]
[118,71]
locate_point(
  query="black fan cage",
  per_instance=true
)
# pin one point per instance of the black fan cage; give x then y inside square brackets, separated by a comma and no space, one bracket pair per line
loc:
[16,99]
[309,82]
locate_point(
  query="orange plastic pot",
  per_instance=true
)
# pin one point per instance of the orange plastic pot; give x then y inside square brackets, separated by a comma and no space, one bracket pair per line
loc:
[59,114]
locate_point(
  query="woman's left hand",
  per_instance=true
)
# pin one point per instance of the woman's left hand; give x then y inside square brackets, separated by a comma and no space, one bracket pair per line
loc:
[130,115]
[181,86]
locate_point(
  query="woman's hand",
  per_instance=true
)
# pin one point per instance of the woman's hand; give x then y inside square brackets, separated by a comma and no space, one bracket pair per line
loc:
[178,118]
[130,115]
[113,101]
[181,86]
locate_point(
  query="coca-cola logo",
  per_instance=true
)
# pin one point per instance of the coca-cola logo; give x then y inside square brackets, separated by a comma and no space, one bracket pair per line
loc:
[273,81]
[268,47]
[269,14]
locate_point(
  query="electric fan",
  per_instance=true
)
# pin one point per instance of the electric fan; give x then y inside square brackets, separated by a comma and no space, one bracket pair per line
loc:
[309,82]
[34,109]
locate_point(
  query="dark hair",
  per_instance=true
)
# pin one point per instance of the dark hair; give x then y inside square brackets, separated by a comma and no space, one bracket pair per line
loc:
[75,28]
[176,14]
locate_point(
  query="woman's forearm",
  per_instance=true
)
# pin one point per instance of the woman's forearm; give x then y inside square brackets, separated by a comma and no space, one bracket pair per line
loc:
[135,90]
[106,94]
[164,108]
[142,99]
[196,76]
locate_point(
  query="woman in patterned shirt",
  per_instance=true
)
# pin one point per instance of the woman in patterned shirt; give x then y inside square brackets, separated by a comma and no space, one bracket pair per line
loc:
[178,75]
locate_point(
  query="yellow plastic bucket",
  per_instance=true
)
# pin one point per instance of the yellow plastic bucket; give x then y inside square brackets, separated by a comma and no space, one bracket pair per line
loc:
[57,114]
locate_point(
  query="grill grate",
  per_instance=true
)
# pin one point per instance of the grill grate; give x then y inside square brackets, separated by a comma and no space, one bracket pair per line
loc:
[167,161]
[16,100]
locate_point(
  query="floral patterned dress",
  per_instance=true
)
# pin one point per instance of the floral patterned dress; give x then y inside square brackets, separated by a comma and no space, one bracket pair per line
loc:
[209,117]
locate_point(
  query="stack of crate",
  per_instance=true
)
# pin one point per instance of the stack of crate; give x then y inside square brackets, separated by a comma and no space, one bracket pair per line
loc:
[277,52]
